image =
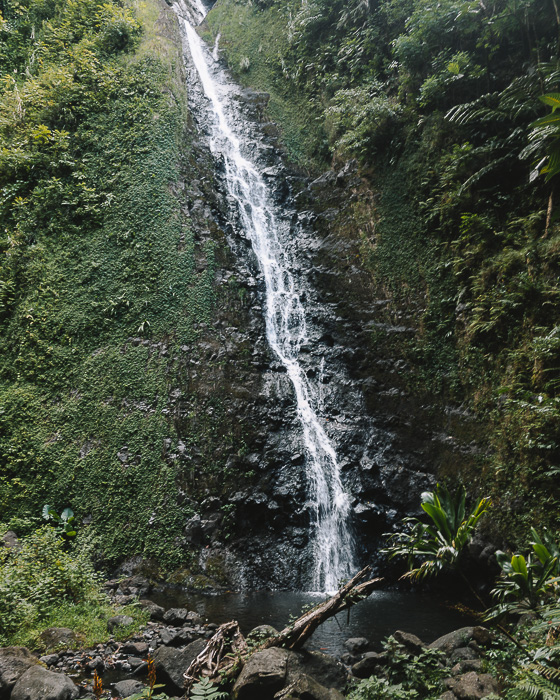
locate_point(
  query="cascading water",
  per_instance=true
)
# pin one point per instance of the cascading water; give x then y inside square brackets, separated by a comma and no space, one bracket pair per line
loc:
[331,537]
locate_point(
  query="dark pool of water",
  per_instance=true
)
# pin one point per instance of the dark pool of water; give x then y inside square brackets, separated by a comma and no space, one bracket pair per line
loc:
[374,618]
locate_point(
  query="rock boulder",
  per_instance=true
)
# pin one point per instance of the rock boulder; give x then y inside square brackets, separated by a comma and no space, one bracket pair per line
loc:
[39,684]
[59,638]
[472,686]
[14,662]
[263,675]
[172,663]
[307,688]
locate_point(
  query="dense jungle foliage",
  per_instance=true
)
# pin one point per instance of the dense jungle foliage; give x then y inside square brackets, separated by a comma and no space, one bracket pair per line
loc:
[439,102]
[101,281]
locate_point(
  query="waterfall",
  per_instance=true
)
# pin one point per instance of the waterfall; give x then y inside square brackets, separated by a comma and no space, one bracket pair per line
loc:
[331,539]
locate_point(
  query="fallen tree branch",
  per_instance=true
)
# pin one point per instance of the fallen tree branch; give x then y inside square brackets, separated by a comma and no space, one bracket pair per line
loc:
[295,636]
[226,651]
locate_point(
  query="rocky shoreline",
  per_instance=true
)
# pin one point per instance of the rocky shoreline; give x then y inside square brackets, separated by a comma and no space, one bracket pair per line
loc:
[174,637]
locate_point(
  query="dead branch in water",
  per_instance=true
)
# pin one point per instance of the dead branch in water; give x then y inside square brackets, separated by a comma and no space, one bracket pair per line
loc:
[227,650]
[295,635]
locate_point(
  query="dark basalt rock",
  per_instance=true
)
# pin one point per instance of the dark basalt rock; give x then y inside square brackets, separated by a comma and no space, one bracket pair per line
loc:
[172,663]
[125,688]
[410,642]
[368,665]
[356,645]
[263,675]
[14,662]
[59,638]
[39,684]
[119,621]
[175,616]
[156,611]
[307,688]
[461,638]
[472,686]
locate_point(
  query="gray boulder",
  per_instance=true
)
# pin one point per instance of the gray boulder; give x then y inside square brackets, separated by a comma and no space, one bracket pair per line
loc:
[263,675]
[463,654]
[136,648]
[369,665]
[14,662]
[39,684]
[306,688]
[356,645]
[59,638]
[413,644]
[326,670]
[9,539]
[176,616]
[117,621]
[155,611]
[465,666]
[462,638]
[193,618]
[262,632]
[124,689]
[472,686]
[172,663]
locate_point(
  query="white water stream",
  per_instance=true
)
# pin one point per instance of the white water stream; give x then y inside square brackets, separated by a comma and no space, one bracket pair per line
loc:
[331,540]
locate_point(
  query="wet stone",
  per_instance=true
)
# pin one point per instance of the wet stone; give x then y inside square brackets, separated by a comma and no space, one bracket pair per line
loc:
[355,645]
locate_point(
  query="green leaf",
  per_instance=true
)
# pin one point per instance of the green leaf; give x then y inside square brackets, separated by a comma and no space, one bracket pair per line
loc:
[542,553]
[519,565]
[438,516]
[551,119]
[552,99]
[67,513]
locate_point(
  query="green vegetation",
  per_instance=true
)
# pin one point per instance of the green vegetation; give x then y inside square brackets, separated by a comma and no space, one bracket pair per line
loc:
[431,549]
[44,584]
[104,286]
[206,689]
[446,107]
[404,677]
[525,655]
[64,522]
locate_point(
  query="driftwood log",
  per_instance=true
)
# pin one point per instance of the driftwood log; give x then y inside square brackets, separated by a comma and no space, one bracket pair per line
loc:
[226,651]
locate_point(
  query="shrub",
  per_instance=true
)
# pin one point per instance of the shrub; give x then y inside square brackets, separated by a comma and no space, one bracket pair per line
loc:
[37,576]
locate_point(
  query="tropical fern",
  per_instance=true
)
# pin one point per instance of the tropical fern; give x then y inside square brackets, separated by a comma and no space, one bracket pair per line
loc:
[206,690]
[535,687]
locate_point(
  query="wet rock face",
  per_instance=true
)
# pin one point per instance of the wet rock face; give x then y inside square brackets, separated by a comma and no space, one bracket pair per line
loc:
[389,444]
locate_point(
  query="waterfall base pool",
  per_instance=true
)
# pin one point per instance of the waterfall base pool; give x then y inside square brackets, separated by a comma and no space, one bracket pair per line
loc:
[374,618]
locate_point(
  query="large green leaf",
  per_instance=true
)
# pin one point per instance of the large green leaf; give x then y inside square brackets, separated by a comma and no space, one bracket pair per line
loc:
[519,565]
[551,119]
[552,99]
[439,518]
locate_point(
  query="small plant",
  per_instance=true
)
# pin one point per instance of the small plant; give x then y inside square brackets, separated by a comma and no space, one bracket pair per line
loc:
[64,522]
[148,693]
[380,689]
[527,583]
[432,548]
[206,690]
[97,685]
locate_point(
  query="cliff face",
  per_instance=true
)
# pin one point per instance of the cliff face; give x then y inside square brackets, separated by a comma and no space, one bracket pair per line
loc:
[137,383]
[437,251]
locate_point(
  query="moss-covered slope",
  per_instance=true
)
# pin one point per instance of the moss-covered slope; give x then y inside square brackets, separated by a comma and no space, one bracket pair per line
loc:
[107,289]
